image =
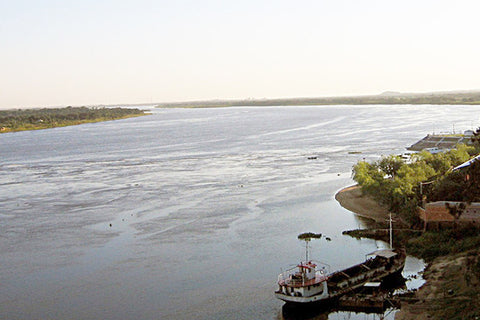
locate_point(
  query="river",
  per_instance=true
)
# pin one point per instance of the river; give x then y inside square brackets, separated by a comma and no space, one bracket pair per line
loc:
[187,213]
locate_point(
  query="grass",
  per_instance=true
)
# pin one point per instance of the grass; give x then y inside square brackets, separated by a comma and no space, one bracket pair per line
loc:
[431,245]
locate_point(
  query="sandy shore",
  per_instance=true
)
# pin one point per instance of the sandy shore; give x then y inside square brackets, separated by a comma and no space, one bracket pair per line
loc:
[351,198]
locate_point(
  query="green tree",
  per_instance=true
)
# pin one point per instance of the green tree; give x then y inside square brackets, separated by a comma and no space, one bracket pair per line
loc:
[471,190]
[397,184]
[368,176]
[447,188]
[476,139]
[390,165]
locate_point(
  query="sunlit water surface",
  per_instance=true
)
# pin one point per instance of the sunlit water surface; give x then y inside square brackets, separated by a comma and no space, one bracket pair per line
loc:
[187,213]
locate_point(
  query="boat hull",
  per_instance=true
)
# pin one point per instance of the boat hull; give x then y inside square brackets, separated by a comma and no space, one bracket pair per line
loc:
[303,300]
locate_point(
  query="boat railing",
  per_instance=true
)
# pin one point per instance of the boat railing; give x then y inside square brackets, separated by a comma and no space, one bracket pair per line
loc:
[293,276]
[293,279]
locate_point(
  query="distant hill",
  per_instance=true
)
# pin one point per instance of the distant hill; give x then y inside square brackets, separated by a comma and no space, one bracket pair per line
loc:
[387,98]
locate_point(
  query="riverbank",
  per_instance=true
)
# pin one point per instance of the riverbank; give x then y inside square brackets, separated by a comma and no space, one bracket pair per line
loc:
[387,98]
[351,198]
[451,290]
[451,280]
[39,119]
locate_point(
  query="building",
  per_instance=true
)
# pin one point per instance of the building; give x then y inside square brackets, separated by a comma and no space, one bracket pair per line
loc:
[436,214]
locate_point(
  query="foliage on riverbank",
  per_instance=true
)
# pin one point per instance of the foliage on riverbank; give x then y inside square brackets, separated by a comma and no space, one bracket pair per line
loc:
[453,276]
[402,186]
[426,245]
[34,119]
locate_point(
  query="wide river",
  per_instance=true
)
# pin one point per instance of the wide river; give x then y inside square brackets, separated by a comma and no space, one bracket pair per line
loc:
[187,213]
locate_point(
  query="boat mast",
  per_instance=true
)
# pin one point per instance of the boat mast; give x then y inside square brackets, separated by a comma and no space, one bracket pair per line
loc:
[307,241]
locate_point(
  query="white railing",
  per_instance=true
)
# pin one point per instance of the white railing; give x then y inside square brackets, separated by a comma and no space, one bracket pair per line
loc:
[287,277]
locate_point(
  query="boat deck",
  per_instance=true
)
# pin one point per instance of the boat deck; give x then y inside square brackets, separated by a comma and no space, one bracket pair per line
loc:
[297,283]
[355,270]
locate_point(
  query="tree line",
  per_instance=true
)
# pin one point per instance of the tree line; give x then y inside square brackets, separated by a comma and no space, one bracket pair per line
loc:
[392,98]
[29,119]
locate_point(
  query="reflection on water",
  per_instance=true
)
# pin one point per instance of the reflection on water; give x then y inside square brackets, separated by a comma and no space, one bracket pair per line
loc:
[380,303]
[320,313]
[335,312]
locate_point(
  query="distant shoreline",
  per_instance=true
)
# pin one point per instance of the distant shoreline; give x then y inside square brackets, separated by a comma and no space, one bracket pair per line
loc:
[39,119]
[386,98]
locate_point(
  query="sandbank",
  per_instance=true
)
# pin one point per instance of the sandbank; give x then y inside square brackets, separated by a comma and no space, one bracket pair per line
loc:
[351,198]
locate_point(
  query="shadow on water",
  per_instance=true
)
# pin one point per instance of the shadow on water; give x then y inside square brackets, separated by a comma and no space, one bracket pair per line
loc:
[379,304]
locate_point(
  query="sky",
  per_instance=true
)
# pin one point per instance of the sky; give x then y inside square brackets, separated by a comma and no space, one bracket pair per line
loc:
[93,52]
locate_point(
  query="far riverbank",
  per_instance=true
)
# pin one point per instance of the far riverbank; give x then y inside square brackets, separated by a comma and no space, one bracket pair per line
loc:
[38,119]
[387,98]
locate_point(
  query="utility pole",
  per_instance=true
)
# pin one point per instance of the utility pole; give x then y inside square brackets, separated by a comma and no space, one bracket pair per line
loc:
[391,231]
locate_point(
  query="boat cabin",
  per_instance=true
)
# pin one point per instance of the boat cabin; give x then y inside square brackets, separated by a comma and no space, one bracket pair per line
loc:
[303,280]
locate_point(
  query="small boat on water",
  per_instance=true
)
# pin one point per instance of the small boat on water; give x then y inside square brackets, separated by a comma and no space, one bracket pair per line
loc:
[309,281]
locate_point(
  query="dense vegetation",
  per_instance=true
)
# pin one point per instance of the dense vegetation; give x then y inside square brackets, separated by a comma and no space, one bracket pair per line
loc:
[403,185]
[454,274]
[432,244]
[426,245]
[31,119]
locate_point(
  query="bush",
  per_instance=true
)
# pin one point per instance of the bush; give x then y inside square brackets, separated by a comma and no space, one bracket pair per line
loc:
[431,244]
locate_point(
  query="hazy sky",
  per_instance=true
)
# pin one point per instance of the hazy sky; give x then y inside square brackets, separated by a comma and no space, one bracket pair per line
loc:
[58,53]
